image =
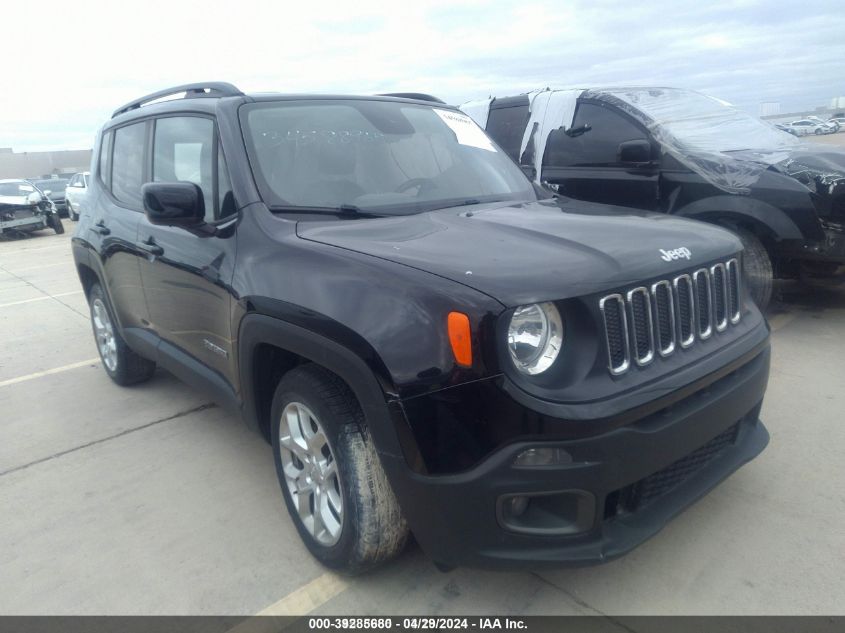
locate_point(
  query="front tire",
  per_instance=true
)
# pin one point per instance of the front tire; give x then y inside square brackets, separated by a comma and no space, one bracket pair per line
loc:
[123,365]
[331,477]
[758,268]
[56,223]
[70,213]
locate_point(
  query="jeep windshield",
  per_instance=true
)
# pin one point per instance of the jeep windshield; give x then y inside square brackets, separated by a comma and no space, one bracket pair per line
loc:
[373,156]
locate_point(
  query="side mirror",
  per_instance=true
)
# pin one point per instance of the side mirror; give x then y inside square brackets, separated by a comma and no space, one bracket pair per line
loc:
[638,151]
[174,204]
[47,192]
[33,198]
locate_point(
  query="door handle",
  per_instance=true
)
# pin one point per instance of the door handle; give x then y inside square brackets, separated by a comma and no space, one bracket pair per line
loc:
[101,228]
[149,245]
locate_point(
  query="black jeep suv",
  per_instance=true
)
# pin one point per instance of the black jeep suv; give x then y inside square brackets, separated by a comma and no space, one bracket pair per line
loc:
[686,154]
[429,344]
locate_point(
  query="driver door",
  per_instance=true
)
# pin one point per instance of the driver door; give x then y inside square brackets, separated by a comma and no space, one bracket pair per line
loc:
[606,157]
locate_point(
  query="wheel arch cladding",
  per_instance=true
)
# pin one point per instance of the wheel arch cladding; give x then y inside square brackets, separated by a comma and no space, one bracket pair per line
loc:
[775,223]
[264,339]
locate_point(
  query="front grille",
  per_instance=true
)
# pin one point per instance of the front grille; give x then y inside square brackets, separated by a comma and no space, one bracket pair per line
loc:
[733,291]
[703,302]
[641,325]
[648,489]
[643,322]
[720,297]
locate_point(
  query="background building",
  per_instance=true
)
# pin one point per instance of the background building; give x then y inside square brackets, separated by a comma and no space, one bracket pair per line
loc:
[43,164]
[770,108]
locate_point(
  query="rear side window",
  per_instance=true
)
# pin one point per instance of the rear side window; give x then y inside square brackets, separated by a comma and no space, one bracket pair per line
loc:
[507,127]
[104,163]
[127,171]
[599,145]
[183,150]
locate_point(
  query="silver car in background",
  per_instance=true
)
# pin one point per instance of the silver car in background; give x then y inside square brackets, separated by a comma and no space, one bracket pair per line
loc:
[75,194]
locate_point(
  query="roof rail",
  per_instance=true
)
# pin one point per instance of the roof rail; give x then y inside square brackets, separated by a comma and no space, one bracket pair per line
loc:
[192,91]
[419,96]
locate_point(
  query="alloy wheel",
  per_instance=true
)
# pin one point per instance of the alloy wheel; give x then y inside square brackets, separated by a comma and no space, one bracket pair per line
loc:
[104,333]
[311,473]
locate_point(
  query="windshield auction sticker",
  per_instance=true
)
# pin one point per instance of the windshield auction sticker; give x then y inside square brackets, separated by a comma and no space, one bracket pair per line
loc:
[465,129]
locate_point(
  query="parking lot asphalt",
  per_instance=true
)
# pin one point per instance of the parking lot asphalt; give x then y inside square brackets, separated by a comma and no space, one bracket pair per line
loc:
[151,500]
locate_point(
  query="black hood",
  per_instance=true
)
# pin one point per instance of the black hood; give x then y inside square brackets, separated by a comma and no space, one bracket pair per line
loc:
[520,253]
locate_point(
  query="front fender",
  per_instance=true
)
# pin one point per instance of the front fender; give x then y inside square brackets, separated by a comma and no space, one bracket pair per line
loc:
[778,223]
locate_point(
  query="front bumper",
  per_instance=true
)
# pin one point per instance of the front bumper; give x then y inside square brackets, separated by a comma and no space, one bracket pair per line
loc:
[830,249]
[33,222]
[626,483]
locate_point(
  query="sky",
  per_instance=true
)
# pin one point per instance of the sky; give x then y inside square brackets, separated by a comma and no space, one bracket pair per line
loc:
[68,66]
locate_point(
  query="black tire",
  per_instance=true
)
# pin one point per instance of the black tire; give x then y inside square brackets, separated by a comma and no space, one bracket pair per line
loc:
[817,131]
[758,268]
[372,528]
[70,214]
[56,223]
[130,368]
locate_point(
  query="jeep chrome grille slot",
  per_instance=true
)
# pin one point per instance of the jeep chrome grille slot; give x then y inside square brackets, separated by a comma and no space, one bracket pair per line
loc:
[644,322]
[734,302]
[703,303]
[686,310]
[664,317]
[642,327]
[718,276]
[616,333]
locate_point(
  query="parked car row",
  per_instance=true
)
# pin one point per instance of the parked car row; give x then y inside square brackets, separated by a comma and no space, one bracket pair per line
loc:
[30,205]
[684,154]
[812,125]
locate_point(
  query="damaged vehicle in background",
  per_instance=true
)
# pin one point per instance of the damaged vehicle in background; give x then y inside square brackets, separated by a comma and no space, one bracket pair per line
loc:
[684,153]
[54,188]
[24,208]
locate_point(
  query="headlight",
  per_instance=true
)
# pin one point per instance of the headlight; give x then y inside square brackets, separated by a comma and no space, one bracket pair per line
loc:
[535,336]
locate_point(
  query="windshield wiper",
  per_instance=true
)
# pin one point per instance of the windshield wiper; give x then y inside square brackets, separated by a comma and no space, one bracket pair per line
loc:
[344,209]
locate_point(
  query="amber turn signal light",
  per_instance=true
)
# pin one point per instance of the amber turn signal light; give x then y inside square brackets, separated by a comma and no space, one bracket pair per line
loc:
[459,337]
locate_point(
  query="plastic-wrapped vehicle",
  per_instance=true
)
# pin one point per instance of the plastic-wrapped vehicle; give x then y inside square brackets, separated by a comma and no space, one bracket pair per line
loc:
[686,154]
[24,208]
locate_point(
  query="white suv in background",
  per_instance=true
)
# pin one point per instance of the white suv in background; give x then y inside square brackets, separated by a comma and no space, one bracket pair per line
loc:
[75,193]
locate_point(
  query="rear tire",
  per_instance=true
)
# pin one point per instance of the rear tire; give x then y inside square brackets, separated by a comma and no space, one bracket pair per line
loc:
[123,365]
[325,459]
[758,268]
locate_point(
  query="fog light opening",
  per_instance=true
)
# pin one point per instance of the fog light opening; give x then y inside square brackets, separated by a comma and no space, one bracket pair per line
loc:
[517,505]
[553,513]
[542,456]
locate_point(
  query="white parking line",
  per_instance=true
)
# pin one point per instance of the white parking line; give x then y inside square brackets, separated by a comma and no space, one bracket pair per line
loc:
[48,372]
[60,294]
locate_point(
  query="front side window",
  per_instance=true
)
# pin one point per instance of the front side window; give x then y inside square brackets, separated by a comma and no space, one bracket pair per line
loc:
[380,156]
[598,132]
[128,164]
[183,150]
